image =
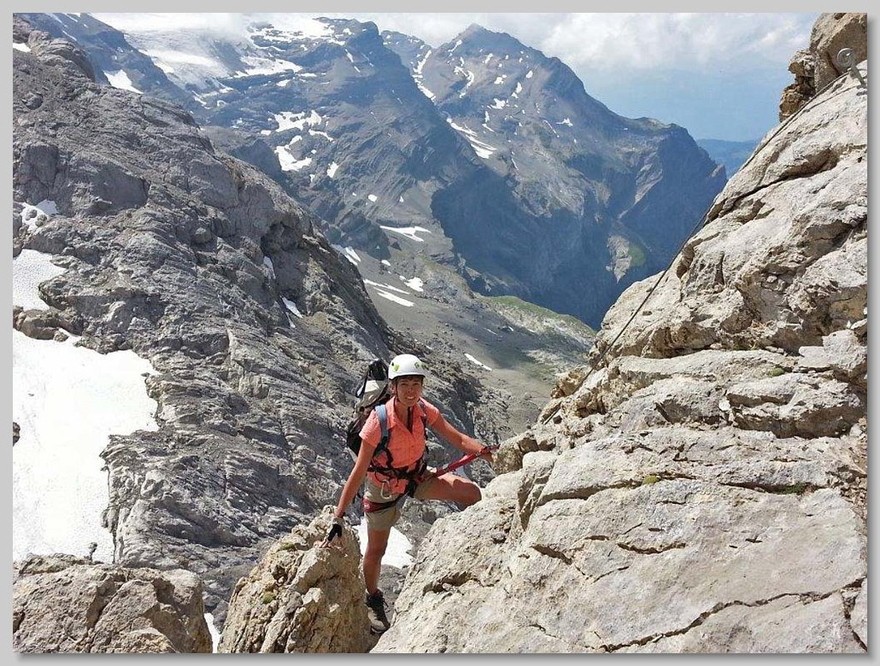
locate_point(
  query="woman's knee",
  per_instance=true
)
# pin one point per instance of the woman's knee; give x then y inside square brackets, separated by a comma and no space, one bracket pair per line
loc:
[375,548]
[470,494]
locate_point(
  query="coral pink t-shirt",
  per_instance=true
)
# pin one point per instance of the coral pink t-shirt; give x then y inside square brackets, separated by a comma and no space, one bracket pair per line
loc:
[406,446]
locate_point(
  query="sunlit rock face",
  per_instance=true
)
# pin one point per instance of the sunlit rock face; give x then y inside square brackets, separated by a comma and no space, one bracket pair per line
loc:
[65,604]
[822,62]
[700,485]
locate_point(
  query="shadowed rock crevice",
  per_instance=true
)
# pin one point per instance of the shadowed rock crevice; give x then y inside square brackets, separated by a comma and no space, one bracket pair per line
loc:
[803,598]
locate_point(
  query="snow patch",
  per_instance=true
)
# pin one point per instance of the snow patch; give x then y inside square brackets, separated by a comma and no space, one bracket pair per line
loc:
[386,287]
[290,305]
[349,253]
[416,284]
[409,232]
[397,552]
[395,299]
[288,162]
[29,269]
[482,149]
[267,262]
[120,80]
[260,66]
[34,216]
[212,629]
[476,362]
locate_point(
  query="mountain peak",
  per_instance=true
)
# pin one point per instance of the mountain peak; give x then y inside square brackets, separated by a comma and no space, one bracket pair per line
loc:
[476,35]
[471,30]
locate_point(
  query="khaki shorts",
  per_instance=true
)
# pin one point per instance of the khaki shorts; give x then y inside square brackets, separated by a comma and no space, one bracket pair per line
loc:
[384,519]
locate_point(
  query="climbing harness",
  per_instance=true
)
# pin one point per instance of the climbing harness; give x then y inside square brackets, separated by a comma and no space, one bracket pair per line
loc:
[423,475]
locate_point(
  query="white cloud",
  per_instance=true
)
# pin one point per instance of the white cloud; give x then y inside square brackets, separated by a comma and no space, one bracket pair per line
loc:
[613,42]
[674,41]
[220,24]
[717,74]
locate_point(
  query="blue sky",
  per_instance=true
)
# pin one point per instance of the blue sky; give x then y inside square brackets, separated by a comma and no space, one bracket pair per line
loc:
[720,75]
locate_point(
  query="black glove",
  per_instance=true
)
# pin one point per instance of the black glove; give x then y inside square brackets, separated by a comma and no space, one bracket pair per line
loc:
[335,529]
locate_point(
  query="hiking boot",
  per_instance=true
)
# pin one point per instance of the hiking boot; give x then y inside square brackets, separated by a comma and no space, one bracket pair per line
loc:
[376,612]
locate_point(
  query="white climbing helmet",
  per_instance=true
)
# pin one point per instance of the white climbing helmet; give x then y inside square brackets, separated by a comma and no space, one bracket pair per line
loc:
[406,364]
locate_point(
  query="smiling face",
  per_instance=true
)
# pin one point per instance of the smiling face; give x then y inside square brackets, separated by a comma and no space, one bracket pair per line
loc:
[408,390]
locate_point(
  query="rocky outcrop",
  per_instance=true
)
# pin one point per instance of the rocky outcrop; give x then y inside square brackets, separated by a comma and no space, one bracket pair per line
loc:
[701,484]
[67,604]
[301,597]
[816,67]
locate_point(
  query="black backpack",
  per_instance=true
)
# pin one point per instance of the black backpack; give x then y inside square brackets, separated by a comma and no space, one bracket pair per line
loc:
[373,390]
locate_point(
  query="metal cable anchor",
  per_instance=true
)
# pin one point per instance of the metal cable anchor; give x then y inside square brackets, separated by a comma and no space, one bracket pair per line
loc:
[847,61]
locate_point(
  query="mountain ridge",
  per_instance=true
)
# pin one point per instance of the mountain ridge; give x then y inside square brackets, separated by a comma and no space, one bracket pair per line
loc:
[417,168]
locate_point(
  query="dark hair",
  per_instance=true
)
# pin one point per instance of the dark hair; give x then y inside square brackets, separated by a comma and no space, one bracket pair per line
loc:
[421,379]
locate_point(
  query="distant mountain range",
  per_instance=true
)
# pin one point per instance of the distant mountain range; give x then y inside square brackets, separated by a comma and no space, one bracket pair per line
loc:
[731,154]
[492,153]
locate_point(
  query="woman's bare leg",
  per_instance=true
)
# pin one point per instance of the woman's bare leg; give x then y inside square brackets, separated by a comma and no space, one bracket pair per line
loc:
[453,488]
[377,541]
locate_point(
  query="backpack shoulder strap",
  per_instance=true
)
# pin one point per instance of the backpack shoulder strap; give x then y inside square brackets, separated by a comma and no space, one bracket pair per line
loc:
[382,414]
[382,446]
[424,414]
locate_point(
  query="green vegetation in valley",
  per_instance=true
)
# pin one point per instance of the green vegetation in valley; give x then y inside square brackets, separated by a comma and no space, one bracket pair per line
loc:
[539,312]
[637,254]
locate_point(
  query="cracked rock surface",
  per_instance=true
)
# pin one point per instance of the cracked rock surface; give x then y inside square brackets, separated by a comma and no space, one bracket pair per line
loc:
[701,485]
[107,608]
